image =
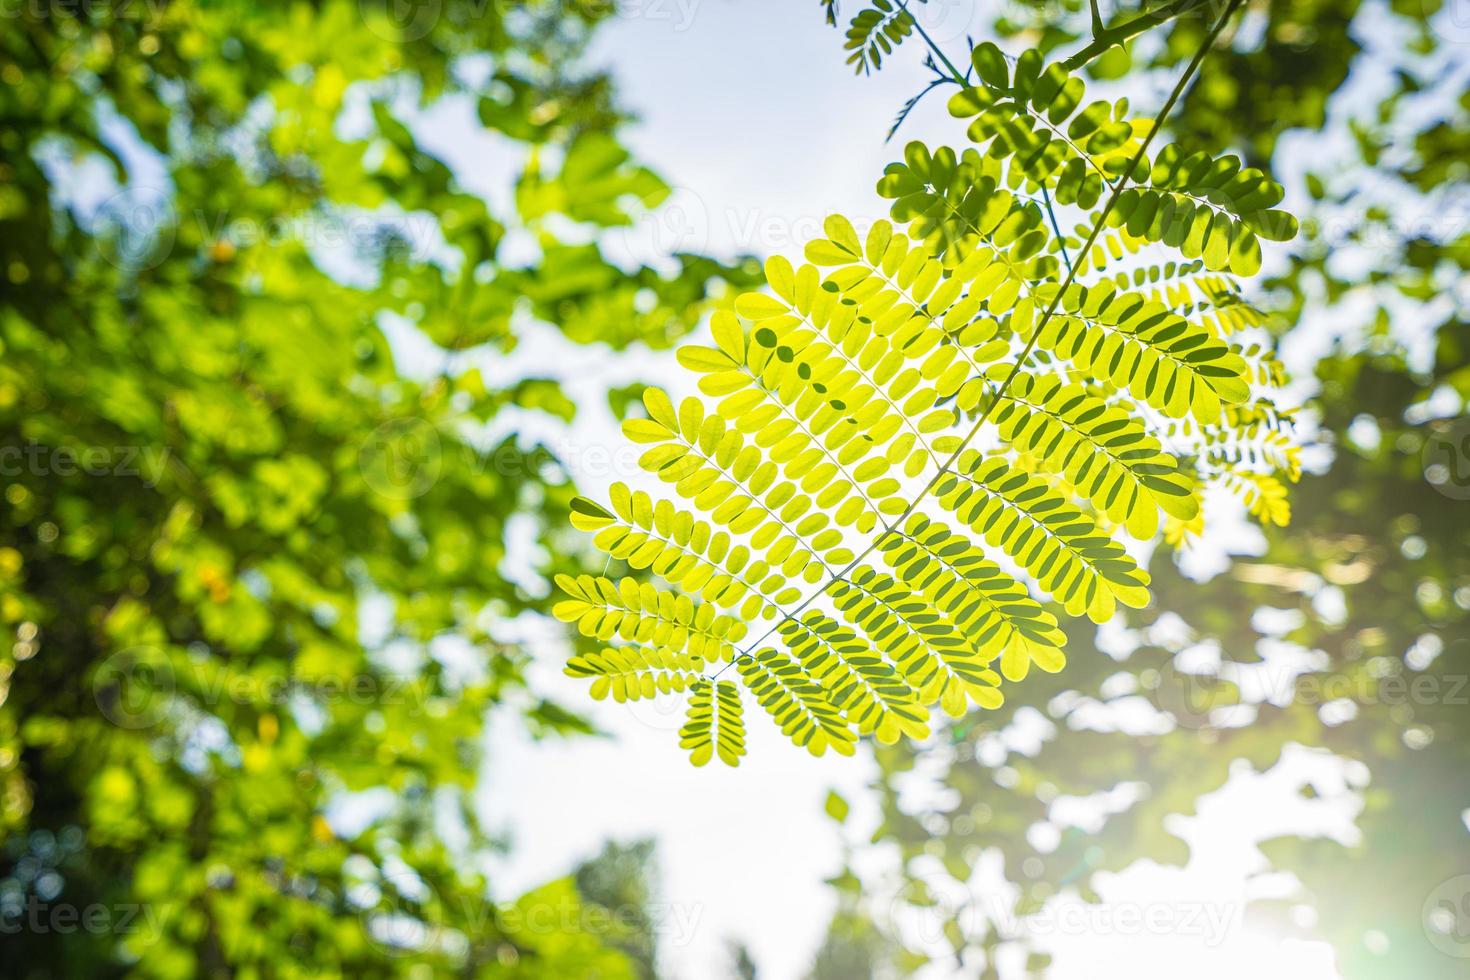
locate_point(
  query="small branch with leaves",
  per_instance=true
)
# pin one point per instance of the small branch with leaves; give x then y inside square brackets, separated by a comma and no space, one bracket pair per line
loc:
[831,479]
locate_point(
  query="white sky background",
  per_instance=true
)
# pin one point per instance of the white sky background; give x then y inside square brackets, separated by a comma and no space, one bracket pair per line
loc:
[749,111]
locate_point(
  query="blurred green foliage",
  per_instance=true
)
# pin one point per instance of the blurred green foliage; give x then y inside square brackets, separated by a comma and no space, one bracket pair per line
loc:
[1350,633]
[249,565]
[235,535]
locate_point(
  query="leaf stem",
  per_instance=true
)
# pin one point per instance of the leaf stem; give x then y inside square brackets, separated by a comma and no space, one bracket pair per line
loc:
[1046,199]
[953,71]
[1102,40]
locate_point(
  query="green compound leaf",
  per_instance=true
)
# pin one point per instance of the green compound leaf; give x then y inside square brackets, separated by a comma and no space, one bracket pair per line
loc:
[823,485]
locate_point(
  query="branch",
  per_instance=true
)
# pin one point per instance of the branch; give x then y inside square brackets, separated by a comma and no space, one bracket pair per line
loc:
[908,106]
[1046,198]
[1105,39]
[954,72]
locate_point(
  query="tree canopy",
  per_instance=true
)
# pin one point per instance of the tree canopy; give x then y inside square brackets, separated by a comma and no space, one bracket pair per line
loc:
[252,567]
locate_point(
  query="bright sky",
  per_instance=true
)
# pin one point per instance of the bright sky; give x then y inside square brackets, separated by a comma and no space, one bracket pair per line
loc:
[748,109]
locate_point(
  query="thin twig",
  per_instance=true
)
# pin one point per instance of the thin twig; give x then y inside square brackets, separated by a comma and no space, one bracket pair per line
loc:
[908,106]
[1113,36]
[903,5]
[1046,198]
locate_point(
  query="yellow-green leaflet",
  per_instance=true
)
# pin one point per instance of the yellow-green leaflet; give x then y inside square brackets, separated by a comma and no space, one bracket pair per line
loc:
[912,453]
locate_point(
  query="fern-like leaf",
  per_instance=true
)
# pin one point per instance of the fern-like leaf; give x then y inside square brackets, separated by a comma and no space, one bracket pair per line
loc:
[953,396]
[714,724]
[1037,117]
[874,32]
